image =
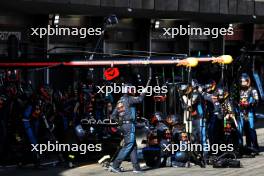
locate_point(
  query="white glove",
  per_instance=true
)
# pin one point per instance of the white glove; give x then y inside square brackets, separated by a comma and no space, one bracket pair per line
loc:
[200,89]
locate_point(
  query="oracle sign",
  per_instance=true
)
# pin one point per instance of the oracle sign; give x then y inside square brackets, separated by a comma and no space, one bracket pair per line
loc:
[5,34]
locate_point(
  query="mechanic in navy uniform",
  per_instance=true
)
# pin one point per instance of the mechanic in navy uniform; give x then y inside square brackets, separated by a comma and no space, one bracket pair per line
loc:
[246,123]
[124,113]
[3,125]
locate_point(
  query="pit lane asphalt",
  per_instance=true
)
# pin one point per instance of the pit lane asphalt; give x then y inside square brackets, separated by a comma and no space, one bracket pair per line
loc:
[251,167]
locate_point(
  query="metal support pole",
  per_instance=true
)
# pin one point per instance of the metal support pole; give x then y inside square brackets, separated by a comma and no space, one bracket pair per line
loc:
[47,71]
[222,74]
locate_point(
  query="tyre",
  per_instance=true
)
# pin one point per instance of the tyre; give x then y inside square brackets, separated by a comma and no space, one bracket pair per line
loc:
[152,156]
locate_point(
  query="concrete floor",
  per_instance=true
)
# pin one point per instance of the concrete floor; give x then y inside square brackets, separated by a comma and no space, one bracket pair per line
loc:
[251,167]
